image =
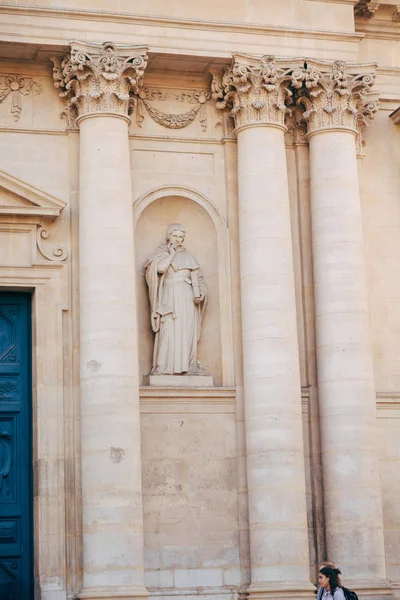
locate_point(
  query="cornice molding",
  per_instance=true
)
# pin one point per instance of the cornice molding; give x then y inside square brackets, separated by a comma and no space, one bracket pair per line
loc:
[382,31]
[365,11]
[27,200]
[174,22]
[177,400]
[348,2]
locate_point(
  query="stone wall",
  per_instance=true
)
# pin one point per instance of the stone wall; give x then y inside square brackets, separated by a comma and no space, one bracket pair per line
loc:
[183,166]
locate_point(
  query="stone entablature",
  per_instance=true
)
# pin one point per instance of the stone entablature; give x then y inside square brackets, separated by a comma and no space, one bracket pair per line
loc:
[100,78]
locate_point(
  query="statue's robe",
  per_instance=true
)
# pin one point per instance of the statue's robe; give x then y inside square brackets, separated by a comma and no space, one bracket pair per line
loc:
[175,318]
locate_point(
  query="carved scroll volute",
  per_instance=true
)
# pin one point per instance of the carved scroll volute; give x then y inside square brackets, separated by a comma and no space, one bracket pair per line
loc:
[337,96]
[257,90]
[100,78]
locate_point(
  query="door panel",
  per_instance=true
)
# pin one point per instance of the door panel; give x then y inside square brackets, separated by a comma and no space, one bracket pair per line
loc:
[16,552]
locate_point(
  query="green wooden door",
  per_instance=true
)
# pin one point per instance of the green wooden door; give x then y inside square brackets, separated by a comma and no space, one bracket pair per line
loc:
[16,548]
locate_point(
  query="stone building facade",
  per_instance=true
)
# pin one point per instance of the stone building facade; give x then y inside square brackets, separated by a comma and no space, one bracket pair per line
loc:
[270,130]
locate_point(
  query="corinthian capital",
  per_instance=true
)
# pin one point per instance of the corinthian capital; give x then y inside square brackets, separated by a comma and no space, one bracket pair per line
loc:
[257,90]
[100,78]
[337,95]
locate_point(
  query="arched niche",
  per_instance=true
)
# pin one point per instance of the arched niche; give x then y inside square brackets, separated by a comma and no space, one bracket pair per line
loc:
[206,239]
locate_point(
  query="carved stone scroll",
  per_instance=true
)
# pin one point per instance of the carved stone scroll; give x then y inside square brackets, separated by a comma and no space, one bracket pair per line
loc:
[59,252]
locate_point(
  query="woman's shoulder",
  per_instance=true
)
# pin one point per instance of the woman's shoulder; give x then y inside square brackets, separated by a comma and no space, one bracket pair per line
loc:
[339,594]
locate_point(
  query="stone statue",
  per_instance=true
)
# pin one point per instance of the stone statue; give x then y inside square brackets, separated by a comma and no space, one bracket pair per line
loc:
[178,297]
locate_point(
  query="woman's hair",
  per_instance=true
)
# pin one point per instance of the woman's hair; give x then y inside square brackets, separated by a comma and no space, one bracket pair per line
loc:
[333,575]
[327,563]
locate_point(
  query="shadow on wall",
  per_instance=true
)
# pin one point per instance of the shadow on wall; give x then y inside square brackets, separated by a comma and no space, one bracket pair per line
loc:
[201,241]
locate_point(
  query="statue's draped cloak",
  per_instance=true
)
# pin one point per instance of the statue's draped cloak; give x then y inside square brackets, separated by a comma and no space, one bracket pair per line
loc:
[175,318]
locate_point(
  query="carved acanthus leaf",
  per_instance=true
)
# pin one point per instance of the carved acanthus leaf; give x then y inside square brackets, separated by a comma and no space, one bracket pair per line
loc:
[337,95]
[257,90]
[296,128]
[98,78]
[227,123]
[17,86]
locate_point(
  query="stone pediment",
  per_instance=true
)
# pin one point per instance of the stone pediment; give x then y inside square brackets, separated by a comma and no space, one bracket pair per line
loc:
[18,198]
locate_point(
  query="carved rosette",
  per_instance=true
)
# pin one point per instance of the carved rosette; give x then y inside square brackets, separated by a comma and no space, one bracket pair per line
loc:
[257,91]
[337,96]
[100,78]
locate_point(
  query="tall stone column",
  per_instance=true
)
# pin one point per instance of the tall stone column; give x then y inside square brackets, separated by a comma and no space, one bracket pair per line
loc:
[99,83]
[336,103]
[255,91]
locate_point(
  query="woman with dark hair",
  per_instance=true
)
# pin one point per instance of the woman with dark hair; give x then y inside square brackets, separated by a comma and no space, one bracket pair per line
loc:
[329,580]
[320,590]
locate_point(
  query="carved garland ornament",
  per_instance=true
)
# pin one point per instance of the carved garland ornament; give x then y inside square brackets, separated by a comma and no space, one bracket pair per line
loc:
[17,86]
[103,78]
[330,95]
[172,120]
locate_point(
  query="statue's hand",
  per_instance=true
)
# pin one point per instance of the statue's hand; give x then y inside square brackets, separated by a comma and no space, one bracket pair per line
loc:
[172,250]
[199,300]
[155,322]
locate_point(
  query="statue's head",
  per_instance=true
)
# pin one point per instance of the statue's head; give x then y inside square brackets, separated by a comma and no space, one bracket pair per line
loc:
[176,234]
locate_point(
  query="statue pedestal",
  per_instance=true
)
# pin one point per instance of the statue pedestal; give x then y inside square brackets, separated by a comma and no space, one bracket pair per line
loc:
[180,380]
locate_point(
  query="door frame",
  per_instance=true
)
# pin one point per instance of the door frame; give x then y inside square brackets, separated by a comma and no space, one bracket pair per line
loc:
[51,407]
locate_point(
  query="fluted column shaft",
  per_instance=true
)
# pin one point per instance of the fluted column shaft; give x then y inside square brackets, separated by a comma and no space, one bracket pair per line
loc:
[274,441]
[110,419]
[353,513]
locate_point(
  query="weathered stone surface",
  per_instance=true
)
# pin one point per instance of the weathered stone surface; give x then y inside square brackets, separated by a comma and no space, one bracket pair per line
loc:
[291,207]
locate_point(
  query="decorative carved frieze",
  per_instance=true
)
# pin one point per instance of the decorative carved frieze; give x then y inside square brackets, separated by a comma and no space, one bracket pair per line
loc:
[337,95]
[100,78]
[147,96]
[257,91]
[17,86]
